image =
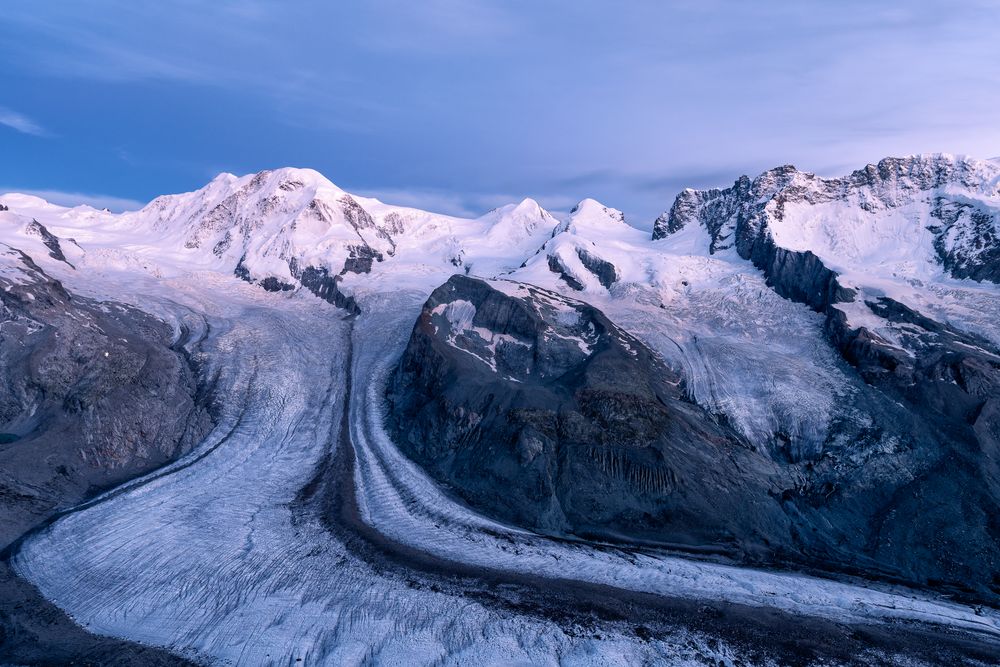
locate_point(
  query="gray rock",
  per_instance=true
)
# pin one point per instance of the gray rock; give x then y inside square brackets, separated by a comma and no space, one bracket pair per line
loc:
[926,499]
[605,271]
[91,395]
[50,240]
[538,410]
[967,240]
[580,429]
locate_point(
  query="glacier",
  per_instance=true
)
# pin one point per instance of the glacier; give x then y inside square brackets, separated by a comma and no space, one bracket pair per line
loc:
[244,551]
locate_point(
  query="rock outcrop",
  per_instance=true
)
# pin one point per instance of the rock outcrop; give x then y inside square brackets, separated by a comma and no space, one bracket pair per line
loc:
[957,197]
[938,457]
[91,394]
[541,411]
[538,410]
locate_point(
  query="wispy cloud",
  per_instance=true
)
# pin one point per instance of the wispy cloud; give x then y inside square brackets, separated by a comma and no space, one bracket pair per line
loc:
[440,27]
[21,123]
[111,202]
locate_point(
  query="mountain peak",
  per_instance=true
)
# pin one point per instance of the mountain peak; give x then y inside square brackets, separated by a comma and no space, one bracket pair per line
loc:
[290,179]
[915,214]
[517,223]
[591,210]
[20,200]
[529,206]
[224,177]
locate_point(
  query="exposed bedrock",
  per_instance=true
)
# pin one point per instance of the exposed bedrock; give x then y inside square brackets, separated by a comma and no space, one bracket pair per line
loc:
[317,280]
[949,381]
[956,194]
[967,239]
[51,241]
[941,517]
[931,447]
[91,395]
[605,271]
[326,287]
[558,266]
[538,410]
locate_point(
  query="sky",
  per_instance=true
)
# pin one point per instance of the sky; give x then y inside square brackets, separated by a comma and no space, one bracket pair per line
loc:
[458,106]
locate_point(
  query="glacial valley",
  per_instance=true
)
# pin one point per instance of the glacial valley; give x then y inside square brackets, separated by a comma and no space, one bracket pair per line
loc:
[272,422]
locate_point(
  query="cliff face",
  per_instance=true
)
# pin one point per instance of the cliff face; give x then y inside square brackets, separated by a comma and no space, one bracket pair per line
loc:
[935,369]
[91,394]
[540,411]
[946,380]
[955,199]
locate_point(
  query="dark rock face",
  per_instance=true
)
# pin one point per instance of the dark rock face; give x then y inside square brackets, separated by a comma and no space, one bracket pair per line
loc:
[606,272]
[556,266]
[541,411]
[538,410]
[799,276]
[361,259]
[967,241]
[49,239]
[933,389]
[949,381]
[316,279]
[91,395]
[322,284]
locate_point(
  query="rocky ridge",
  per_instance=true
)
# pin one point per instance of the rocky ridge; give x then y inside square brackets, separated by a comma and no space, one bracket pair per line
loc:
[924,403]
[92,394]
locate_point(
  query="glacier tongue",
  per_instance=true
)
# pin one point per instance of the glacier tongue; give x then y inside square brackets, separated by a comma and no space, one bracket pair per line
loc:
[213,557]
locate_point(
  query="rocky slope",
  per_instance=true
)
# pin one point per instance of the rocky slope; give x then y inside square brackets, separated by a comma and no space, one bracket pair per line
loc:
[910,218]
[540,411]
[926,206]
[888,224]
[91,395]
[505,387]
[904,482]
[287,228]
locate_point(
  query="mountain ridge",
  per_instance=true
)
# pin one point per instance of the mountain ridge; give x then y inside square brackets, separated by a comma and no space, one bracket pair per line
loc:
[846,383]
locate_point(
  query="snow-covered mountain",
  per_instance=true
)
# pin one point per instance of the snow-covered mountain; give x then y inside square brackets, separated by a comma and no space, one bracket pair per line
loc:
[902,218]
[921,230]
[823,355]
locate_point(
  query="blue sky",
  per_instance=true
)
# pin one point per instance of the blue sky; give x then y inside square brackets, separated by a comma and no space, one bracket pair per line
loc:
[459,106]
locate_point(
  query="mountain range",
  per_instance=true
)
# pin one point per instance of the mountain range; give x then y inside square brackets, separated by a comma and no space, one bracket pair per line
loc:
[794,377]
